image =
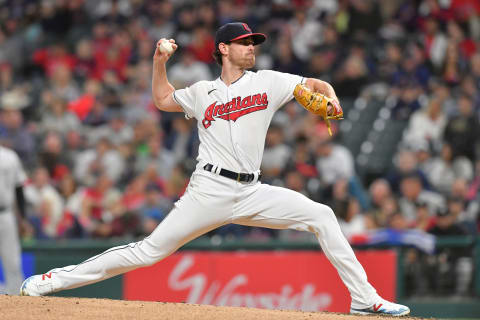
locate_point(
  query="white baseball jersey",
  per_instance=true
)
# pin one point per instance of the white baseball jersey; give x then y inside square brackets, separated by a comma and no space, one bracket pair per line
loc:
[233,120]
[11,176]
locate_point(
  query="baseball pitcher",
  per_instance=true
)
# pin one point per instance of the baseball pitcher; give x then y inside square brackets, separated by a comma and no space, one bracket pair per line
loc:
[233,114]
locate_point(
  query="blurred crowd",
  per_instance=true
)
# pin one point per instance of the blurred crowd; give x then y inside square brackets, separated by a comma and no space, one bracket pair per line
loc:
[102,161]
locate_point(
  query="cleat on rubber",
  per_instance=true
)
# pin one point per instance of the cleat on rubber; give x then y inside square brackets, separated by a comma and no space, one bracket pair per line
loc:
[38,285]
[384,307]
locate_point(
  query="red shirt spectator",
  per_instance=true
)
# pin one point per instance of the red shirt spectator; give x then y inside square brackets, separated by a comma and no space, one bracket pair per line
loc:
[50,58]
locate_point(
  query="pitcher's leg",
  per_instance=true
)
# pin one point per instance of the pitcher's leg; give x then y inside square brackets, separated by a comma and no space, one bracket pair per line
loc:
[280,208]
[185,222]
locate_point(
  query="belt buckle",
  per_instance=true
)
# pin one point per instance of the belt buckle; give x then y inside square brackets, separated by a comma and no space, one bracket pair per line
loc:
[238,177]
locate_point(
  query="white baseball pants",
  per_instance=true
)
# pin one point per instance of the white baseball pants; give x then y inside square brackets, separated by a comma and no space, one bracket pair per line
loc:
[212,201]
[10,252]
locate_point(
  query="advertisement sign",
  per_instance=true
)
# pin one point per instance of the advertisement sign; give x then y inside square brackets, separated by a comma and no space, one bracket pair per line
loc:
[300,280]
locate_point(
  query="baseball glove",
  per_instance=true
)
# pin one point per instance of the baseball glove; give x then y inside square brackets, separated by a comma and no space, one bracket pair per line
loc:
[318,103]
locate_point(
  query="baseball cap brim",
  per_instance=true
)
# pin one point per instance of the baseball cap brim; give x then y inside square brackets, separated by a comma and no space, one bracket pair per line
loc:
[257,37]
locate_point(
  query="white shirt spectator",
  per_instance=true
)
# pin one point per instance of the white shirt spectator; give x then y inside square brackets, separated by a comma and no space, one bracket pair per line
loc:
[111,163]
[46,202]
[301,31]
[337,165]
[421,126]
[433,200]
[442,174]
[188,71]
[354,227]
[61,124]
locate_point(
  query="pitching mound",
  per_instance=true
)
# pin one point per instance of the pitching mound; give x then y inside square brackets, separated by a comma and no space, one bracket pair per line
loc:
[47,308]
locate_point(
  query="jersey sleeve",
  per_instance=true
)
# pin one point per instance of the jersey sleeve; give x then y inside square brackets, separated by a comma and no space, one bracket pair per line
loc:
[186,98]
[282,86]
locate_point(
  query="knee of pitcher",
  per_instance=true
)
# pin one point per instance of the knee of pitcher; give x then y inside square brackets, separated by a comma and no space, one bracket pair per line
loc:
[149,261]
[326,212]
[324,217]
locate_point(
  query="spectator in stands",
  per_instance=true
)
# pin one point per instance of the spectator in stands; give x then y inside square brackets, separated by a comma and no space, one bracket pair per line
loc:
[302,161]
[6,76]
[453,65]
[475,68]
[365,19]
[97,204]
[276,153]
[347,210]
[426,124]
[465,210]
[468,87]
[407,94]
[85,64]
[445,169]
[412,192]
[202,45]
[154,210]
[300,30]
[434,42]
[74,145]
[116,130]
[13,130]
[380,218]
[62,84]
[103,159]
[423,156]
[57,117]
[390,62]
[379,192]
[162,160]
[45,202]
[182,140]
[405,163]
[284,60]
[177,183]
[424,218]
[69,227]
[188,70]
[162,26]
[53,158]
[294,180]
[351,77]
[56,62]
[462,131]
[334,161]
[98,115]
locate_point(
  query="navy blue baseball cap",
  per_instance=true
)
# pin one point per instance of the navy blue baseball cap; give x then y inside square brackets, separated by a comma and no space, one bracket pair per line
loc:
[235,31]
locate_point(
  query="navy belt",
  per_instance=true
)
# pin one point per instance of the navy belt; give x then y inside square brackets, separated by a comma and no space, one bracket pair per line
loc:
[240,177]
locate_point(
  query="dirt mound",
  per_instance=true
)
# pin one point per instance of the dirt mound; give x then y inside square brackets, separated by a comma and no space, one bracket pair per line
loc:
[47,308]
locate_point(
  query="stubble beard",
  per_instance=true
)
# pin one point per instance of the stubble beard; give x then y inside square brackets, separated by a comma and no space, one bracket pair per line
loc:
[249,62]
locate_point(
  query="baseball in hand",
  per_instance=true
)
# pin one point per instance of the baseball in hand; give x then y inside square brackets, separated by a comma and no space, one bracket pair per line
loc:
[166,47]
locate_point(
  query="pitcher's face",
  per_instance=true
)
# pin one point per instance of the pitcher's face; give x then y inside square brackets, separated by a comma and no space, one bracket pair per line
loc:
[242,53]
